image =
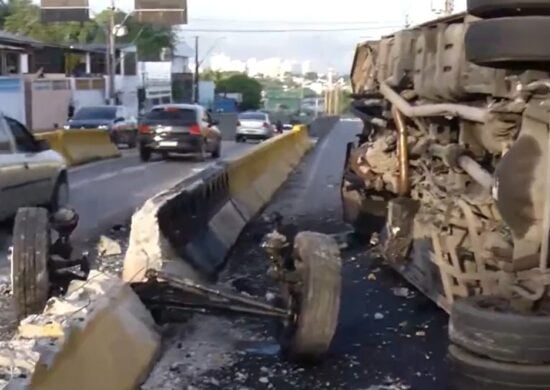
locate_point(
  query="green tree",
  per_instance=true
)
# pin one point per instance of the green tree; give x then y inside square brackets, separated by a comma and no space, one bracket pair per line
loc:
[23,17]
[250,88]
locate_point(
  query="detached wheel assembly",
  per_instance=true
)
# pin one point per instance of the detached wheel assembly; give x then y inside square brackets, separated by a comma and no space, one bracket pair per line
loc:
[498,8]
[29,263]
[488,326]
[39,268]
[514,42]
[315,299]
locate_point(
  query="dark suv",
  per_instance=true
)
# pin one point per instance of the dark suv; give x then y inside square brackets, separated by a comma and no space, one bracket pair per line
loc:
[179,128]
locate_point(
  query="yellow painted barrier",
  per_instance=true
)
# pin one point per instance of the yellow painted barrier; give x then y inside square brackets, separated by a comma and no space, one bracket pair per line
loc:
[254,177]
[81,146]
[99,336]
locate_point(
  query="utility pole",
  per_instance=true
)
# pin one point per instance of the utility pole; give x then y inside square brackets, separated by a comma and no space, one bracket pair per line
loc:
[197,75]
[111,55]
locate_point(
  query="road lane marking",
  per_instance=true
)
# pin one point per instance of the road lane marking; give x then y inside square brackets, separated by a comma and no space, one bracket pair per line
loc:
[110,175]
[127,155]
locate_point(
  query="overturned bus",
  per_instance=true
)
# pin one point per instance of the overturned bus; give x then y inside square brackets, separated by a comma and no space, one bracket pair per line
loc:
[454,157]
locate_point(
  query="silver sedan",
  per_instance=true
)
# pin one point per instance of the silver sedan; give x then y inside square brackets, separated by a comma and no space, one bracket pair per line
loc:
[31,174]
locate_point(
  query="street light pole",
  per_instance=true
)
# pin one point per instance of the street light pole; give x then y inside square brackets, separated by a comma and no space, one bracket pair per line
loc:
[197,67]
[112,62]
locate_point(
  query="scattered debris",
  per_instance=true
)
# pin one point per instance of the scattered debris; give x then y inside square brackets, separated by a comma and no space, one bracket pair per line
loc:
[108,247]
[263,380]
[420,333]
[371,276]
[379,316]
[402,292]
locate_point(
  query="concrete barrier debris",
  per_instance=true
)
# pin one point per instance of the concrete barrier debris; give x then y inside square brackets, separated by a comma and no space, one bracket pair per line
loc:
[188,230]
[99,336]
[81,146]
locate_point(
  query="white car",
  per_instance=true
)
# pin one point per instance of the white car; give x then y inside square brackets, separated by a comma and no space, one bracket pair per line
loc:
[31,174]
[255,126]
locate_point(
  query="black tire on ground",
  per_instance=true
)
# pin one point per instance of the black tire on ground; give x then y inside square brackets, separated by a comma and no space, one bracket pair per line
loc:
[202,155]
[317,260]
[470,372]
[60,194]
[218,152]
[29,263]
[488,326]
[517,42]
[499,8]
[144,154]
[133,141]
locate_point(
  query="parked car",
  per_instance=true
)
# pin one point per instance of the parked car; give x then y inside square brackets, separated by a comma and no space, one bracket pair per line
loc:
[31,174]
[121,126]
[254,125]
[179,128]
[287,127]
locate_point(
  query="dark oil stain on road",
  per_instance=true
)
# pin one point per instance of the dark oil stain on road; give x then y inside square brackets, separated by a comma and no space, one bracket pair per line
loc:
[389,336]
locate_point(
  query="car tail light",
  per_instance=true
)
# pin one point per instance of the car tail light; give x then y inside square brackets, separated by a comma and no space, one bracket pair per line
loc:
[144,129]
[195,129]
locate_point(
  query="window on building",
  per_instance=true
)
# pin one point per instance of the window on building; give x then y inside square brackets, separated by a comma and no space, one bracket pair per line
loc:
[12,63]
[130,64]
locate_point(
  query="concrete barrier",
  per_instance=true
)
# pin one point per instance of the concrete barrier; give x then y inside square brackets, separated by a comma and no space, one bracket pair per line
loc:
[188,230]
[81,146]
[100,336]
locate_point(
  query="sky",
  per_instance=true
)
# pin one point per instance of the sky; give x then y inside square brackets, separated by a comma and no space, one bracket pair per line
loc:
[334,49]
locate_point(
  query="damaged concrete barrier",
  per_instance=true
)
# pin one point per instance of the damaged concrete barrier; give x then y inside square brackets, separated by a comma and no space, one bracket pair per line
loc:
[188,230]
[81,146]
[99,336]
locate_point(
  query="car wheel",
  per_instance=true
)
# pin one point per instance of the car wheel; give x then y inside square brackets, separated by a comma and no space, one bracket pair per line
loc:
[144,154]
[517,42]
[468,372]
[218,152]
[489,326]
[61,194]
[499,8]
[133,141]
[203,153]
[29,261]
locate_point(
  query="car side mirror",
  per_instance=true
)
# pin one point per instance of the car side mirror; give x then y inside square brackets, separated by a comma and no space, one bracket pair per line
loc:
[42,145]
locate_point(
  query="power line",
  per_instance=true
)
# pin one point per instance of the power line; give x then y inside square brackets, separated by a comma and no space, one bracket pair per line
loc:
[261,31]
[296,22]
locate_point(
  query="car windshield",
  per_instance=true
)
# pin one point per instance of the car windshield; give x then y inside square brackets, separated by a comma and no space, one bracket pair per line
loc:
[253,116]
[96,113]
[172,116]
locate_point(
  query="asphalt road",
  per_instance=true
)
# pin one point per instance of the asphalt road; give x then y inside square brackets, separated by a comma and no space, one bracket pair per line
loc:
[390,337]
[108,192]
